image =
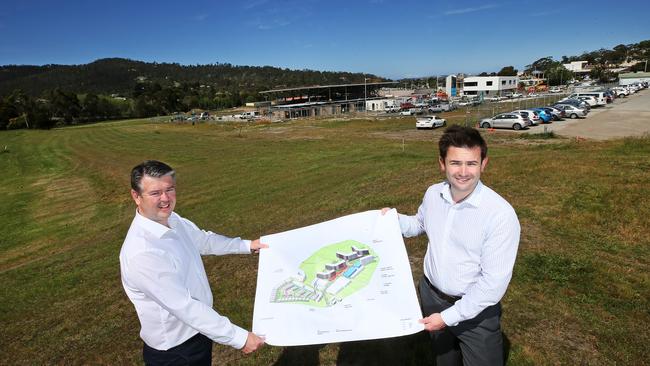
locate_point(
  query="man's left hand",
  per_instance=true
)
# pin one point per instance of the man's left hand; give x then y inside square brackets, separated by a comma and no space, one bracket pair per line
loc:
[433,322]
[256,245]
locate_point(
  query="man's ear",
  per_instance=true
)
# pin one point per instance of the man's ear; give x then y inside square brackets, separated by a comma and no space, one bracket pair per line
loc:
[136,197]
[484,163]
[442,164]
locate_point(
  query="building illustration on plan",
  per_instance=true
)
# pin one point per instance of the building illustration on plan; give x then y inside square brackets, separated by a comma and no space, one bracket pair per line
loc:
[329,275]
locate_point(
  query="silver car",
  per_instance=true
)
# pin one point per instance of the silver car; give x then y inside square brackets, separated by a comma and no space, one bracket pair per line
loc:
[506,120]
[572,111]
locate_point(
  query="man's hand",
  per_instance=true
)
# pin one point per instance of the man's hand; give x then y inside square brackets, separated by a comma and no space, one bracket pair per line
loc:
[256,245]
[433,322]
[253,343]
[384,210]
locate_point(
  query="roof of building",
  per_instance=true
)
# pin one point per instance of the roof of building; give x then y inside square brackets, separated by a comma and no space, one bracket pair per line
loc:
[634,75]
[327,86]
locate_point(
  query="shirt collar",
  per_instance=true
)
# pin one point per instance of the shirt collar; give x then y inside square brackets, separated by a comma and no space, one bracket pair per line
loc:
[151,226]
[474,198]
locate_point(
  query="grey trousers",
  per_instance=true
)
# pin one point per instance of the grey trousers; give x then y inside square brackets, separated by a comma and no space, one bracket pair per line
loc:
[472,342]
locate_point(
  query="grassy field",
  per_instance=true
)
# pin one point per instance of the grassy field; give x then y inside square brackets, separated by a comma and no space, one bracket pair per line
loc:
[580,292]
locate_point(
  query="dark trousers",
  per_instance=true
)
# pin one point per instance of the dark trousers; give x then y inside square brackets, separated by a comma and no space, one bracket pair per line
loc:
[194,351]
[472,342]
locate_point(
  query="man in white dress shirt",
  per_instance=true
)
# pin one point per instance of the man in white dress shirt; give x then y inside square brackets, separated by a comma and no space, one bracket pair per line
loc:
[163,275]
[473,238]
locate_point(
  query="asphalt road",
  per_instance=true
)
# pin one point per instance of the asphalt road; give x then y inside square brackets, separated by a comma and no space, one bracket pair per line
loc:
[624,118]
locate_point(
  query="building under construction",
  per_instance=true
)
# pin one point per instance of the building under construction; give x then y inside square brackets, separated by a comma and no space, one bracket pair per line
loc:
[315,101]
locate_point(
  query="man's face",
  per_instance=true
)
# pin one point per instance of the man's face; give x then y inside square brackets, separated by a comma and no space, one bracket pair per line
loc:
[463,167]
[157,198]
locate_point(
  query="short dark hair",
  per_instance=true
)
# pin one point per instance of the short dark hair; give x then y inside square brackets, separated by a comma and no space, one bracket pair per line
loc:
[460,136]
[152,168]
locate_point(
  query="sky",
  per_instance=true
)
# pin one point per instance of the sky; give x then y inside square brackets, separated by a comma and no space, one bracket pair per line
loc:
[393,39]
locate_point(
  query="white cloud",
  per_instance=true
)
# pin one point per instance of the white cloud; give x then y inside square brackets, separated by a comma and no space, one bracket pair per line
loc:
[470,10]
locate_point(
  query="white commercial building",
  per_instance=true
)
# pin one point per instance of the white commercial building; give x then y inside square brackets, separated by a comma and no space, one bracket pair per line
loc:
[489,85]
[382,104]
[633,77]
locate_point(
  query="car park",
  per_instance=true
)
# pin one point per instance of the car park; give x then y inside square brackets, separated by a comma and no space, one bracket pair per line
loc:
[430,122]
[506,120]
[572,111]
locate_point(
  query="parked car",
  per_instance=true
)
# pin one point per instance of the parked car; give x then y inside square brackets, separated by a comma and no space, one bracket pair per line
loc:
[600,96]
[555,89]
[506,120]
[516,95]
[391,109]
[543,115]
[572,111]
[557,114]
[576,102]
[532,116]
[430,122]
[408,112]
[435,108]
[589,99]
[620,91]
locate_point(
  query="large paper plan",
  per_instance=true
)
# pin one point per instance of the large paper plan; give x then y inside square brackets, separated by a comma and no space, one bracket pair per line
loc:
[341,280]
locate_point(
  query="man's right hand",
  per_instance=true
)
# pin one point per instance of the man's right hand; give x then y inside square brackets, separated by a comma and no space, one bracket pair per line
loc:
[384,210]
[253,343]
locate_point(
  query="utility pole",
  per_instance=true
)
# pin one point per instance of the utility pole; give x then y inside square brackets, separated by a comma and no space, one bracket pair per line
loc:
[365,95]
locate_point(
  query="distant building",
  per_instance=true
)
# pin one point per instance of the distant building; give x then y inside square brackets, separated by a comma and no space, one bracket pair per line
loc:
[578,67]
[451,85]
[633,77]
[489,85]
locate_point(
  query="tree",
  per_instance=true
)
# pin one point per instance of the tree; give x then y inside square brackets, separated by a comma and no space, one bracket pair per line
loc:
[507,71]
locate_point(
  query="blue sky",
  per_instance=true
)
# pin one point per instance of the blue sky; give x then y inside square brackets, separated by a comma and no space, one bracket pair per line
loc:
[394,39]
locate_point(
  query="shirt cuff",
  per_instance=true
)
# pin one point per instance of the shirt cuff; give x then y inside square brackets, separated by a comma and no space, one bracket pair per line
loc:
[247,245]
[240,338]
[451,316]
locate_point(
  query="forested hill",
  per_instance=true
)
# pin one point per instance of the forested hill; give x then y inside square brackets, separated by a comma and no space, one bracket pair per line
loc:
[122,76]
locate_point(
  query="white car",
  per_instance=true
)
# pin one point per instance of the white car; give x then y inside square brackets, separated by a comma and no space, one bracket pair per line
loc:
[430,122]
[408,112]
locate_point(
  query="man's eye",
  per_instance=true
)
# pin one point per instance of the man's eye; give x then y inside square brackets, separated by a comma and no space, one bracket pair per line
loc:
[155,194]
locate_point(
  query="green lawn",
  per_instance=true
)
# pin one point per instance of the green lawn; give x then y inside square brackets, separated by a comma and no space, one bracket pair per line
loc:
[580,291]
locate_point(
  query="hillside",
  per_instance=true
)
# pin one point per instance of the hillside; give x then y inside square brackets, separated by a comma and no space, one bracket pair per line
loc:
[122,76]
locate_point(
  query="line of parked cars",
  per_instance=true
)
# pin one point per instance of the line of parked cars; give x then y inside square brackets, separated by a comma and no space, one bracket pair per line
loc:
[523,118]
[575,105]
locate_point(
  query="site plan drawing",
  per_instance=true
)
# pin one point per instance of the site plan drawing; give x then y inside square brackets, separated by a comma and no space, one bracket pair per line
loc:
[341,280]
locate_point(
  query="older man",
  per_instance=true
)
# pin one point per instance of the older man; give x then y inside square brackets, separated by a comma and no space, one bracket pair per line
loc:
[163,275]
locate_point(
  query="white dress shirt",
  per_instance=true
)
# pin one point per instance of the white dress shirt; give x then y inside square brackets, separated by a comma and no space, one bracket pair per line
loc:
[163,276]
[472,246]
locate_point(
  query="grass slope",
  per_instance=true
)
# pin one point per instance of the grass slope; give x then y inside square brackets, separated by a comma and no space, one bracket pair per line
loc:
[579,293]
